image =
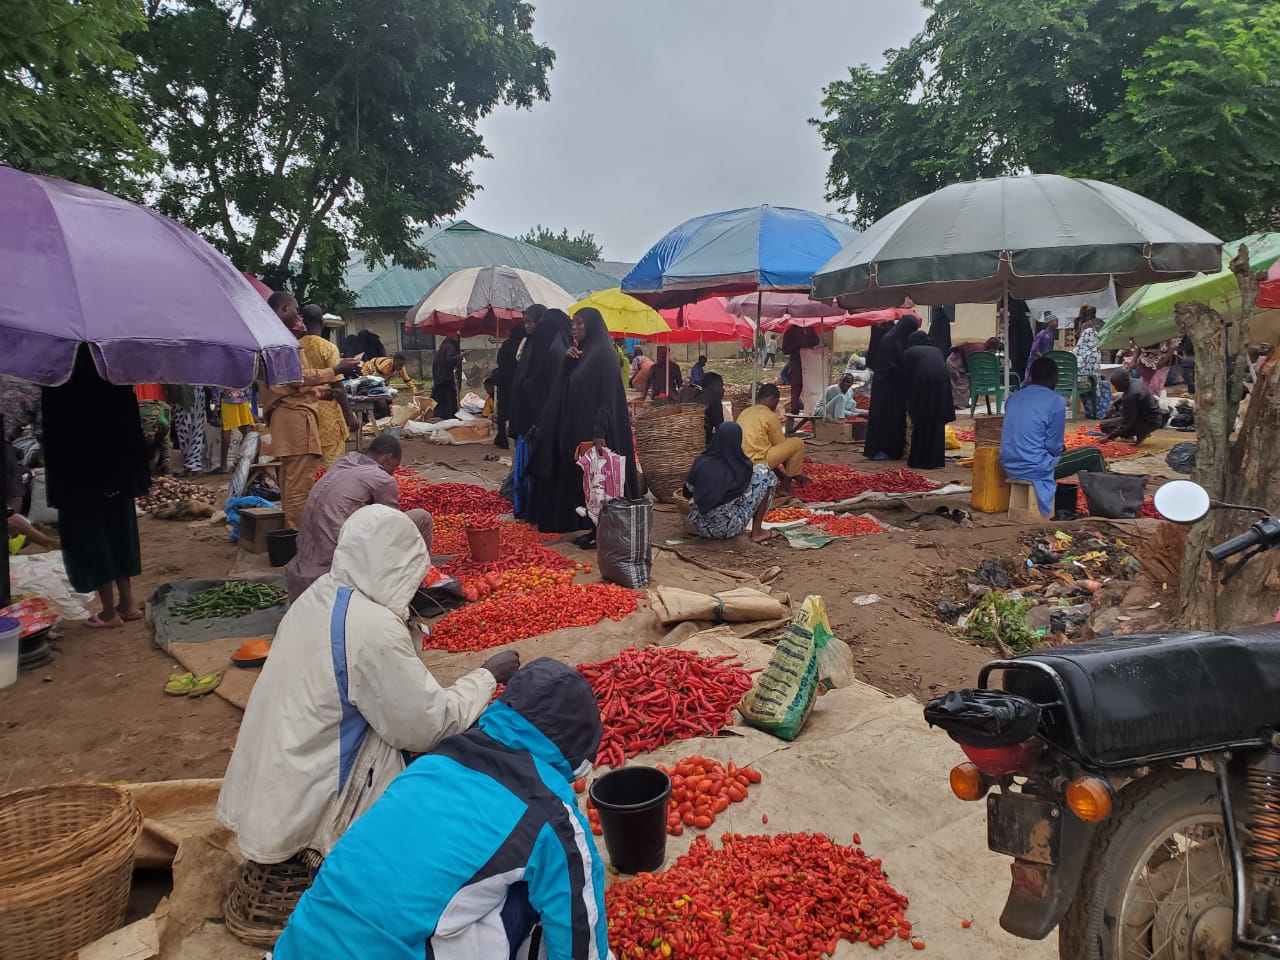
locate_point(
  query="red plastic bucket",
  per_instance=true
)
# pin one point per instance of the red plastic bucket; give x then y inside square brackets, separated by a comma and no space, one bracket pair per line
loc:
[484,544]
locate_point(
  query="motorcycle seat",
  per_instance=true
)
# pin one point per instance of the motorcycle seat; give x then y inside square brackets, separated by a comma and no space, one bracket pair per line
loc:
[1151,696]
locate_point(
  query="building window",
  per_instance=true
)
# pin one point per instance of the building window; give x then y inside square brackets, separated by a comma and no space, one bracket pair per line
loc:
[415,339]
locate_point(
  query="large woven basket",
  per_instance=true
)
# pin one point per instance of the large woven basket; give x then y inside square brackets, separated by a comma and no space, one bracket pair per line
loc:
[667,441]
[263,898]
[987,431]
[739,398]
[66,868]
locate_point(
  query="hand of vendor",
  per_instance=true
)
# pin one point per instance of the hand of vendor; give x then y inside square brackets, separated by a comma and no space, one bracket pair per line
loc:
[573,353]
[353,422]
[503,665]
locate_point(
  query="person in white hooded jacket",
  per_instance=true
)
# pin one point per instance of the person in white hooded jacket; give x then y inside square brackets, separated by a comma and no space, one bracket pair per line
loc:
[342,697]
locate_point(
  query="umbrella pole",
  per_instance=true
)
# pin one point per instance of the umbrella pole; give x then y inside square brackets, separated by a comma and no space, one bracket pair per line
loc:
[755,360]
[1008,320]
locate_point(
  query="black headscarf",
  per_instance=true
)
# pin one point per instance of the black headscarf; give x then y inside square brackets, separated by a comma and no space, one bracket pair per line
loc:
[538,367]
[723,472]
[448,358]
[505,372]
[93,444]
[894,346]
[878,333]
[940,321]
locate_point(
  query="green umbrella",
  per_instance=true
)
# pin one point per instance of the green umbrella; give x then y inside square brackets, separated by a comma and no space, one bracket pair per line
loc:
[1147,316]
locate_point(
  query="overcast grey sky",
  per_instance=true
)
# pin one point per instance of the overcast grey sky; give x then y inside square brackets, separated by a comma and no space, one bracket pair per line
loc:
[662,110]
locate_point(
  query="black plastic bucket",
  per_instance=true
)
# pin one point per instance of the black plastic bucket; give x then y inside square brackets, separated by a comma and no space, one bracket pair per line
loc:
[281,546]
[632,803]
[1064,498]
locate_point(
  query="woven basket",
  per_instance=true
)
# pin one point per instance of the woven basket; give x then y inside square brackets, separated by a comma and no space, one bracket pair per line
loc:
[264,896]
[67,868]
[739,398]
[667,441]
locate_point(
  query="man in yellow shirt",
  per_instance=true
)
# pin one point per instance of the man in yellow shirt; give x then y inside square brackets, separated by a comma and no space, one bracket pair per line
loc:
[763,441]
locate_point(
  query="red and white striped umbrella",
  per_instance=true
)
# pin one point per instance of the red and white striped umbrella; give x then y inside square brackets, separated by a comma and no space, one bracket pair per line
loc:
[483,300]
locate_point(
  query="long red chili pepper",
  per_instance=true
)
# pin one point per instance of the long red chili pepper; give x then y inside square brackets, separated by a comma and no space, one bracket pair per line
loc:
[656,695]
[794,896]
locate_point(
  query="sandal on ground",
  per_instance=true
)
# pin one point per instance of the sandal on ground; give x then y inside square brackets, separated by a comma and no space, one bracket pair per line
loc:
[136,615]
[97,623]
[179,684]
[206,684]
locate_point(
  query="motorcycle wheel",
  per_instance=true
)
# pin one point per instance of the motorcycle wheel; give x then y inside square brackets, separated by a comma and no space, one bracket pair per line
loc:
[1158,882]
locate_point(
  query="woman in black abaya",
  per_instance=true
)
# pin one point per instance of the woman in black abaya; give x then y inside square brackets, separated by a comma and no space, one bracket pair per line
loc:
[929,402]
[887,419]
[586,405]
[504,376]
[446,377]
[1020,337]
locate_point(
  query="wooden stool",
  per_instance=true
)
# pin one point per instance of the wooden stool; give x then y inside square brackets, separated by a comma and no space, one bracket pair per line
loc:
[1024,505]
[255,524]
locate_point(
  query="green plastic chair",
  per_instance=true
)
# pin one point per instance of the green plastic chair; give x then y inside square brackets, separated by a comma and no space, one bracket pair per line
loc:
[985,379]
[1068,378]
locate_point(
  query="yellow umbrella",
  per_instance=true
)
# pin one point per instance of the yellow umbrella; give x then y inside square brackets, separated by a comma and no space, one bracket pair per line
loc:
[623,314]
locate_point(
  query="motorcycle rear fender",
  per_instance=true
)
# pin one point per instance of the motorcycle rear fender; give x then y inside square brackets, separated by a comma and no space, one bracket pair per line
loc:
[1039,894]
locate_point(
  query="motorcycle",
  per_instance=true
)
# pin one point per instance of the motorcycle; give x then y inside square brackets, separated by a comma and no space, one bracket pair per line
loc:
[1135,781]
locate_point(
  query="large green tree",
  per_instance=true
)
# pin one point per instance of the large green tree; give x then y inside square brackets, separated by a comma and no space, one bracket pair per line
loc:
[580,249]
[301,131]
[62,109]
[1176,99]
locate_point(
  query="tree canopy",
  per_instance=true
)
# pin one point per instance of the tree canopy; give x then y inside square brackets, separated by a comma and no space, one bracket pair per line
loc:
[1178,100]
[297,134]
[580,249]
[63,112]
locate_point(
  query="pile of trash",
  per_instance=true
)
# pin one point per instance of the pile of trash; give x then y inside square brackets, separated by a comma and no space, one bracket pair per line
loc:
[1066,588]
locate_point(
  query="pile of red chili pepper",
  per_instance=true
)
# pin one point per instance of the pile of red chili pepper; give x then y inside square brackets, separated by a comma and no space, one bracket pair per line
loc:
[794,895]
[1111,449]
[863,400]
[517,616]
[829,483]
[450,536]
[653,696]
[848,526]
[419,494]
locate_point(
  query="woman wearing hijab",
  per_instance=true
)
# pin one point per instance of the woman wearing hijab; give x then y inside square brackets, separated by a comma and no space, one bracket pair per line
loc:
[1020,335]
[940,320]
[1042,345]
[446,374]
[585,405]
[504,376]
[539,362]
[887,418]
[728,491]
[929,402]
[93,477]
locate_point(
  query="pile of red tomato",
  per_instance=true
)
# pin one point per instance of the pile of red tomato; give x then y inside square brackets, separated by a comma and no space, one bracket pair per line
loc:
[794,895]
[653,696]
[848,526]
[701,789]
[518,616]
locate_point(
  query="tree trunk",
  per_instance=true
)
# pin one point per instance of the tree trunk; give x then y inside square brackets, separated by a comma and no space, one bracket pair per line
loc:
[1253,468]
[1198,588]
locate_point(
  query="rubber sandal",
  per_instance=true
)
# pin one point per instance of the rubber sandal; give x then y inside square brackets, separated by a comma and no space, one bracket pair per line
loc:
[205,685]
[97,623]
[179,684]
[137,616]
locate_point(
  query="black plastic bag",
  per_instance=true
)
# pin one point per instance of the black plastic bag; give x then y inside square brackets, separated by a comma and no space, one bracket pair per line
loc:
[1182,457]
[984,718]
[1113,496]
[622,542]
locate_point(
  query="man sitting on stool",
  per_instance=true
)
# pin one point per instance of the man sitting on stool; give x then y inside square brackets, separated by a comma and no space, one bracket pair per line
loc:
[763,440]
[1031,443]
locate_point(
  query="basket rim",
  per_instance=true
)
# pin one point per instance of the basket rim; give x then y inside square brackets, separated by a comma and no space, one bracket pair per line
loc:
[105,830]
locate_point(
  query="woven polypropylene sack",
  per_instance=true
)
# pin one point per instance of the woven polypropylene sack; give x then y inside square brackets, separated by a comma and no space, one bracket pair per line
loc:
[623,553]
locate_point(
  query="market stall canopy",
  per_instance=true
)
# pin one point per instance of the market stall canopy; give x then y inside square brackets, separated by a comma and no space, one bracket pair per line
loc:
[1147,316]
[866,318]
[707,320]
[155,303]
[483,300]
[736,251]
[1033,236]
[624,315]
[263,290]
[1269,296]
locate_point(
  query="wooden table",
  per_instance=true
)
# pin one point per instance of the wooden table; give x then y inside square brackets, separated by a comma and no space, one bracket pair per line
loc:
[797,420]
[364,407]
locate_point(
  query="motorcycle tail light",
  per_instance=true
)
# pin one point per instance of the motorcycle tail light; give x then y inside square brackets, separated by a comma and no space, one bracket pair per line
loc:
[968,783]
[1004,761]
[1089,798]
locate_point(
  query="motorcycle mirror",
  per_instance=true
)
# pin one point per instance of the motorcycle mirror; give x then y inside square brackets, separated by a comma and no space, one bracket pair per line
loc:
[1182,501]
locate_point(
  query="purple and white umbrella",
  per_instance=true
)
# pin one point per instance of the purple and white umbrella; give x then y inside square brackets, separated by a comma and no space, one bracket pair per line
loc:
[155,303]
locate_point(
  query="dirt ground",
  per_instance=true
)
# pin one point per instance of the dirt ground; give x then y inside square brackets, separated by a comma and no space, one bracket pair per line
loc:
[98,712]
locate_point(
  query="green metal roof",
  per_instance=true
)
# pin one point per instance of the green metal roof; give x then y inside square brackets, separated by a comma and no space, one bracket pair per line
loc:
[455,247]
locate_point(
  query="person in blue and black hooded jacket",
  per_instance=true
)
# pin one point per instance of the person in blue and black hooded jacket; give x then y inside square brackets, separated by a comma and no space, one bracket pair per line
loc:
[477,850]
